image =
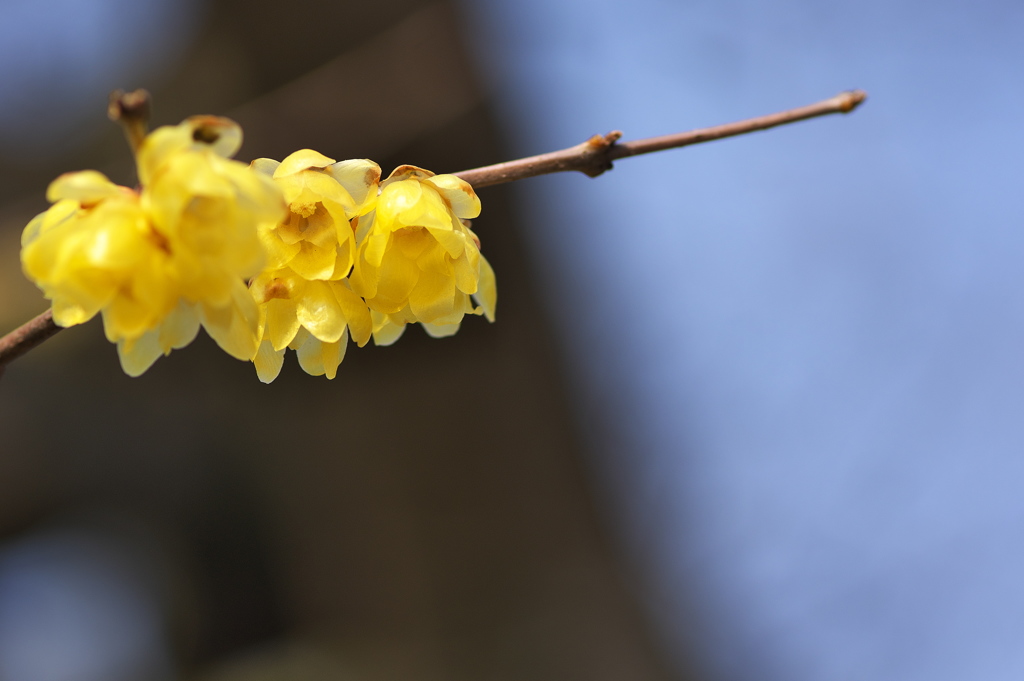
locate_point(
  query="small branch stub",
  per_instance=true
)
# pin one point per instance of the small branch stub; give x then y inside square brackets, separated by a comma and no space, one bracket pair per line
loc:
[131,110]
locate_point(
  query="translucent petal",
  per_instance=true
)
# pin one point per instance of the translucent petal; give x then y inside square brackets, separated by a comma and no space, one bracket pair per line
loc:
[58,213]
[459,194]
[487,293]
[332,354]
[375,246]
[319,311]
[278,252]
[321,226]
[234,325]
[344,258]
[407,172]
[125,317]
[385,331]
[282,323]
[357,315]
[87,186]
[319,186]
[453,241]
[136,357]
[363,279]
[268,362]
[398,199]
[179,328]
[265,166]
[301,160]
[221,135]
[397,279]
[433,296]
[358,177]
[301,337]
[440,330]
[67,314]
[466,276]
[311,357]
[314,262]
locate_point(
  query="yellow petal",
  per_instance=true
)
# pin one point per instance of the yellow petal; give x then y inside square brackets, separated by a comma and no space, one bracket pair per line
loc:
[385,331]
[319,311]
[87,186]
[440,330]
[278,252]
[138,355]
[433,296]
[459,194]
[66,313]
[396,280]
[408,172]
[358,177]
[268,362]
[466,276]
[179,328]
[311,356]
[332,354]
[357,315]
[282,323]
[265,166]
[234,325]
[487,292]
[301,160]
[374,248]
[314,262]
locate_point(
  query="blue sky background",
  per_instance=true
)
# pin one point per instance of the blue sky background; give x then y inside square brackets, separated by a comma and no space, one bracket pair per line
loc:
[812,339]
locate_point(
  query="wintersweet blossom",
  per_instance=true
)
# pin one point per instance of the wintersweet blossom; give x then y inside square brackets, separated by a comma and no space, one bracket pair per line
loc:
[160,261]
[303,296]
[418,260]
[313,317]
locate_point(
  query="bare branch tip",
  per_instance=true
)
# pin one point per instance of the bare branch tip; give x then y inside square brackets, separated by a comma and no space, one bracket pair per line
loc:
[126,106]
[851,99]
[131,111]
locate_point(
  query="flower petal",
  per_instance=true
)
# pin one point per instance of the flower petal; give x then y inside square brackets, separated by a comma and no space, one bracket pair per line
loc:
[234,325]
[301,160]
[385,331]
[487,291]
[319,311]
[459,194]
[138,355]
[268,362]
[357,315]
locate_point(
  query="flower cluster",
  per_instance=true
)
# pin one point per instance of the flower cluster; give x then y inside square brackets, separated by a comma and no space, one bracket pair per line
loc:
[160,261]
[329,251]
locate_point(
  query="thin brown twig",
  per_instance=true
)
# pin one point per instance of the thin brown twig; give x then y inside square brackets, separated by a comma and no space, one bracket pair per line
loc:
[593,157]
[25,337]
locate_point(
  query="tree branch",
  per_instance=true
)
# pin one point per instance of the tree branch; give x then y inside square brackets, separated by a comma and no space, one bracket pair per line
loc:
[595,156]
[592,158]
[25,337]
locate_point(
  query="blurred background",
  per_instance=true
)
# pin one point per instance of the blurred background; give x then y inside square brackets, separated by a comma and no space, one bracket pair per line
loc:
[751,410]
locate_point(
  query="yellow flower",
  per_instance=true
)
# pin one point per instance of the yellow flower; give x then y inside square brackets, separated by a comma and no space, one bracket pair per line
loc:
[159,262]
[315,239]
[418,260]
[303,297]
[313,317]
